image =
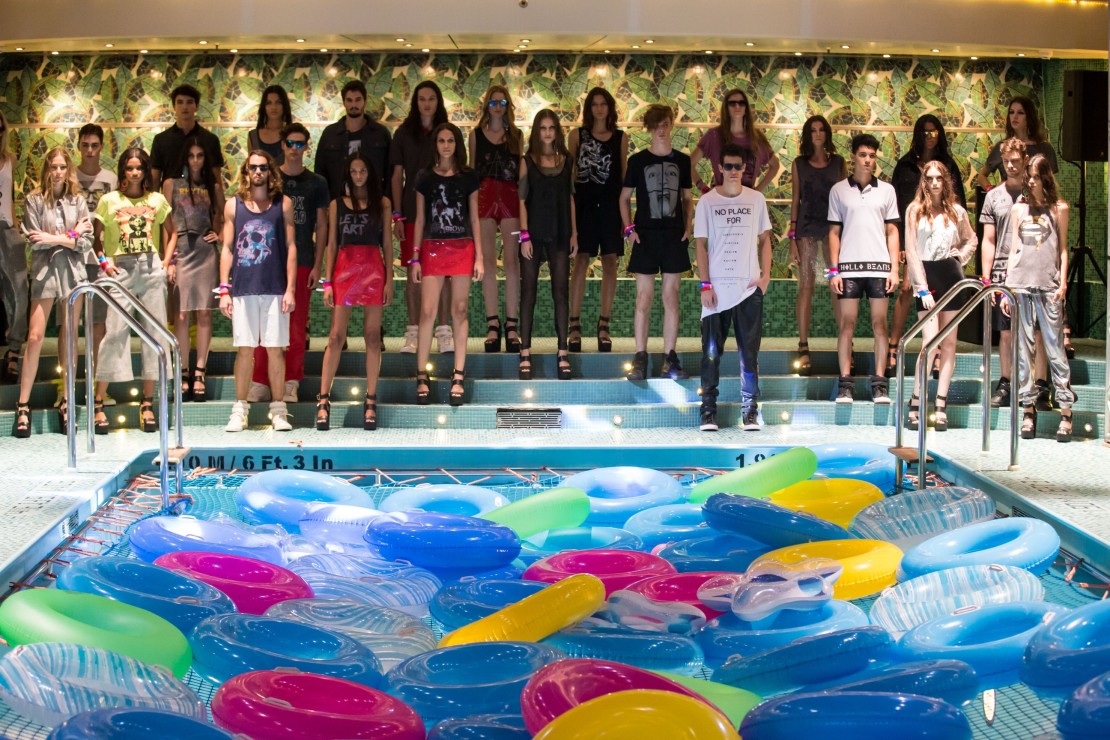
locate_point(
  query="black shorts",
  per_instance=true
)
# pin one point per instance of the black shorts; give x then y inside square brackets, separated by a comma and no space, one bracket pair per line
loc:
[941,276]
[660,251]
[599,229]
[999,320]
[863,287]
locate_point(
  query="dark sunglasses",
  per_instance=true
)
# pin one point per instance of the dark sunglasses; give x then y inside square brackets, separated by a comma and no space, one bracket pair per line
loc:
[258,167]
[732,167]
[498,104]
[931,134]
[737,103]
[295,144]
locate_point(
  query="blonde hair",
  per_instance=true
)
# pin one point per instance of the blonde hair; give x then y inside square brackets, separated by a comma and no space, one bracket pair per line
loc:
[72,187]
[514,139]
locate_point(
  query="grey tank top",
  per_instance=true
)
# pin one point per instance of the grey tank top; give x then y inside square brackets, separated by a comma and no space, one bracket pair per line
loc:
[1036,263]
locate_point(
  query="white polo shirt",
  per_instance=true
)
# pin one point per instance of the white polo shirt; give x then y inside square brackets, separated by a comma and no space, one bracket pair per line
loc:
[862,214]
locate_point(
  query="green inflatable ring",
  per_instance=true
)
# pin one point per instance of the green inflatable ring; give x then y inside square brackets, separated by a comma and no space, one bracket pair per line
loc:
[761,479]
[53,615]
[555,508]
[733,702]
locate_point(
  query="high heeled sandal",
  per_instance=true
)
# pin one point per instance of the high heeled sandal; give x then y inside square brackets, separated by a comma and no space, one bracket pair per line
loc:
[423,389]
[100,426]
[22,428]
[891,355]
[200,377]
[936,368]
[524,370]
[940,414]
[604,341]
[913,417]
[1028,422]
[186,386]
[1069,349]
[512,344]
[804,365]
[574,342]
[457,378]
[370,412]
[1063,432]
[493,326]
[323,411]
[146,406]
[63,417]
[563,367]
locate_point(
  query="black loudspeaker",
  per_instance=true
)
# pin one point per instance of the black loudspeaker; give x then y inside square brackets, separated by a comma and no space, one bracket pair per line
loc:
[1085,116]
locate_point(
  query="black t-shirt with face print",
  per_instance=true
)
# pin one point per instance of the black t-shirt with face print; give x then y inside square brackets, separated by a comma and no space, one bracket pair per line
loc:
[660,183]
[447,203]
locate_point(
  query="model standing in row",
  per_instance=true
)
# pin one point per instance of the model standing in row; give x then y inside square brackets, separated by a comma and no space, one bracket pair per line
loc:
[95,182]
[13,263]
[737,126]
[274,114]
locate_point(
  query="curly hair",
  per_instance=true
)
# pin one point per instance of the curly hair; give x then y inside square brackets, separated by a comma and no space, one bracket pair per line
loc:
[273,185]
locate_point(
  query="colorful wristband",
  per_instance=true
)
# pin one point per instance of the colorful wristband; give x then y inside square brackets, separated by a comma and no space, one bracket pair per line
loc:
[791,234]
[414,261]
[706,286]
[325,283]
[923,292]
[984,280]
[72,234]
[832,271]
[703,188]
[628,230]
[223,289]
[397,217]
[525,236]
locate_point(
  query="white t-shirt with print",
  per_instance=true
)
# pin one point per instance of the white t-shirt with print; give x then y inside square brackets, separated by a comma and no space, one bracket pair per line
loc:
[732,227]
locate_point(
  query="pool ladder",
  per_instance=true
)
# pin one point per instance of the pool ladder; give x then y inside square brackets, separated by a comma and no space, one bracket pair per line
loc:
[919,455]
[112,292]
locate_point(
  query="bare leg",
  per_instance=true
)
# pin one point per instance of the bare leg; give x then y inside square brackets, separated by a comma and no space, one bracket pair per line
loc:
[36,331]
[338,333]
[489,260]
[645,297]
[947,355]
[608,283]
[880,332]
[371,332]
[846,322]
[204,337]
[412,298]
[244,368]
[670,310]
[181,332]
[430,288]
[275,357]
[460,295]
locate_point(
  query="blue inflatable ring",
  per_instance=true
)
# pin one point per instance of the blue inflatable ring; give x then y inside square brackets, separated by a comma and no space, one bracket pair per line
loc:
[827,657]
[131,723]
[154,537]
[283,496]
[728,552]
[554,541]
[653,651]
[669,523]
[619,492]
[991,639]
[860,715]
[480,678]
[1085,714]
[459,604]
[481,727]
[230,644]
[767,522]
[432,540]
[180,600]
[1069,651]
[864,461]
[1019,541]
[445,498]
[952,681]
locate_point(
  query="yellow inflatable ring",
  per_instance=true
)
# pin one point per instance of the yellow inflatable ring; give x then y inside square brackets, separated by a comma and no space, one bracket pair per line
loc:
[835,500]
[639,714]
[869,565]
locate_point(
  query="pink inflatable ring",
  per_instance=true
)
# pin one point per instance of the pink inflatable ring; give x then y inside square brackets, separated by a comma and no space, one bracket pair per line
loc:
[616,569]
[681,588]
[252,585]
[307,706]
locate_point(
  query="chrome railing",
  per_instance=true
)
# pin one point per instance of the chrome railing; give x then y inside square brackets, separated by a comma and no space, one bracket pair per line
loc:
[922,369]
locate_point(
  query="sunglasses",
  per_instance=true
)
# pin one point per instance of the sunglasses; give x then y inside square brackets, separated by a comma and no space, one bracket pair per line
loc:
[931,134]
[498,104]
[737,103]
[732,167]
[295,144]
[258,167]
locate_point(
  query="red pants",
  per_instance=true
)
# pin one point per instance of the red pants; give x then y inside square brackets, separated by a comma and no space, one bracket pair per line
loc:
[298,330]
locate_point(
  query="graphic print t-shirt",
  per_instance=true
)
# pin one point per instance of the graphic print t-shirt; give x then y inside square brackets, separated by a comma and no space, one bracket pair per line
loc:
[659,183]
[132,225]
[93,188]
[447,203]
[732,227]
[308,191]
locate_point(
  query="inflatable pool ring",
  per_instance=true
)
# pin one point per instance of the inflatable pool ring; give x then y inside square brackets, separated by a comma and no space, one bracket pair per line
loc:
[1069,651]
[283,496]
[669,523]
[770,586]
[158,535]
[952,681]
[534,617]
[430,540]
[481,678]
[557,688]
[655,651]
[641,713]
[458,604]
[617,493]
[726,635]
[340,523]
[444,498]
[252,585]
[835,500]
[52,615]
[358,565]
[728,552]
[760,479]
[511,572]
[129,723]
[180,600]
[1085,714]
[869,565]
[912,517]
[732,702]
[681,588]
[864,461]
[767,522]
[617,569]
[827,657]
[916,601]
[291,704]
[231,644]
[390,634]
[554,541]
[991,639]
[555,508]
[481,727]
[49,682]
[638,612]
[1018,541]
[410,593]
[860,715]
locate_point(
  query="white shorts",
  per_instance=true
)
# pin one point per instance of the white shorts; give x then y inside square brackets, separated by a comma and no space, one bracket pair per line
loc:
[257,321]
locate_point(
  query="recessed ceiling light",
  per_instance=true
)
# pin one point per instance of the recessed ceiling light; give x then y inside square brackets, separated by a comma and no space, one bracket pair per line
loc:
[649,41]
[749,43]
[108,46]
[886,56]
[300,41]
[400,41]
[203,43]
[608,52]
[407,46]
[234,51]
[797,53]
[708,51]
[936,51]
[324,50]
[635,46]
[19,48]
[143,51]
[1021,53]
[54,53]
[425,50]
[974,59]
[526,41]
[845,46]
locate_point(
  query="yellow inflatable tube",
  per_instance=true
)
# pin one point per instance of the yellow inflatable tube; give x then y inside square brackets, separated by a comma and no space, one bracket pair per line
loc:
[540,615]
[640,714]
[835,500]
[869,565]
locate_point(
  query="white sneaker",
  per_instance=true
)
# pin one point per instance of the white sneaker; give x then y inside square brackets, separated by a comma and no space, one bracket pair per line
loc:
[258,393]
[445,340]
[409,347]
[279,416]
[238,421]
[108,400]
[291,388]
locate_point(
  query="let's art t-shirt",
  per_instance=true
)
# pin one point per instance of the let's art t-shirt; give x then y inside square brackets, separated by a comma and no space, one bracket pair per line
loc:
[732,227]
[132,225]
[447,203]
[660,183]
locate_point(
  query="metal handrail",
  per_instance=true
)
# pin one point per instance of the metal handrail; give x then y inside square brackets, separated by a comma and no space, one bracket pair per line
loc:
[922,369]
[71,390]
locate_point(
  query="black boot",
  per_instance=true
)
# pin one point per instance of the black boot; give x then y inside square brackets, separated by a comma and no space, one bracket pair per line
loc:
[639,368]
[1001,395]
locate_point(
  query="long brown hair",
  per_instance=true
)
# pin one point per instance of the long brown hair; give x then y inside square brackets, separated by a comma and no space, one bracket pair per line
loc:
[535,146]
[72,187]
[459,157]
[1032,119]
[947,193]
[805,146]
[1040,166]
[587,110]
[757,140]
[273,184]
[513,137]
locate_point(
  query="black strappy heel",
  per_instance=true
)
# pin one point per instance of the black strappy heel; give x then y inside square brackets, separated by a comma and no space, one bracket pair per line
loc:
[913,418]
[512,344]
[370,412]
[200,376]
[604,341]
[23,421]
[145,406]
[524,369]
[100,426]
[423,389]
[493,326]
[574,343]
[457,378]
[323,411]
[940,414]
[564,366]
